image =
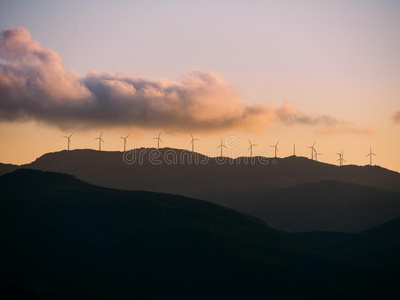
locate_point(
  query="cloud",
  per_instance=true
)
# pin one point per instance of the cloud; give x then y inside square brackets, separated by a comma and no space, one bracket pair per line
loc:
[289,115]
[330,125]
[34,84]
[396,117]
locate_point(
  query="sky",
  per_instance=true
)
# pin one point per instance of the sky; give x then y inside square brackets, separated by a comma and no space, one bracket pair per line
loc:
[296,72]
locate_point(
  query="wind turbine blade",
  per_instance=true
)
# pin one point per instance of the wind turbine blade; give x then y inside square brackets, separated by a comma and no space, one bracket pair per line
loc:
[71,134]
[249,142]
[65,136]
[374,154]
[313,144]
[159,134]
[191,136]
[161,141]
[368,155]
[277,143]
[127,136]
[101,134]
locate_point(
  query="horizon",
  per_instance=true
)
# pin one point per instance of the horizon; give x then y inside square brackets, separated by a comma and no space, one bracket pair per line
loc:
[212,154]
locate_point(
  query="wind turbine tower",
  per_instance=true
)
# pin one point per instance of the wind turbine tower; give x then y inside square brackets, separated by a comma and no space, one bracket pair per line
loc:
[294,149]
[192,142]
[69,140]
[276,148]
[251,148]
[316,155]
[221,146]
[312,151]
[124,138]
[370,156]
[341,159]
[158,140]
[100,141]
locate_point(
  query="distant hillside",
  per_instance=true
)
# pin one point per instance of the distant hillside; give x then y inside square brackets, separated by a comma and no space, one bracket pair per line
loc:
[7,168]
[156,170]
[390,230]
[327,206]
[241,184]
[65,239]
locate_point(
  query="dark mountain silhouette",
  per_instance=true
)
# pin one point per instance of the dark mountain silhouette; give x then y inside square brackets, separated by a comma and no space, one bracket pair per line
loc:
[63,238]
[327,206]
[242,184]
[390,230]
[379,244]
[7,168]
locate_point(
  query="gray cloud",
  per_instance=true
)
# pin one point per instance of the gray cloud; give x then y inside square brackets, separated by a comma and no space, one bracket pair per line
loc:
[34,84]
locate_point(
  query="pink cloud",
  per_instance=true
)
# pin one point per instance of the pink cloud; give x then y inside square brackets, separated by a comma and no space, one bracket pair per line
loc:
[34,84]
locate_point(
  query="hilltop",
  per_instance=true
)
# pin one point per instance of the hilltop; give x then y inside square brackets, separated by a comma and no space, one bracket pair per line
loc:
[7,168]
[148,165]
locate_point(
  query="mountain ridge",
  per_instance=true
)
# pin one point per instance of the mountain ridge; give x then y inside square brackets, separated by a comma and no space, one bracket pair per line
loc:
[248,185]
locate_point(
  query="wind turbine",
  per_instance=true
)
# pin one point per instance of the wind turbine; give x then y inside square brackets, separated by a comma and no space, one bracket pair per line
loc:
[124,138]
[370,156]
[276,148]
[312,151]
[341,159]
[158,140]
[316,155]
[221,146]
[251,148]
[69,139]
[192,142]
[100,141]
[294,149]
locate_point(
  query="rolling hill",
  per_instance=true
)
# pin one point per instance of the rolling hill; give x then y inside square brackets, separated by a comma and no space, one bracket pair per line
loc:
[7,168]
[249,186]
[327,206]
[63,238]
